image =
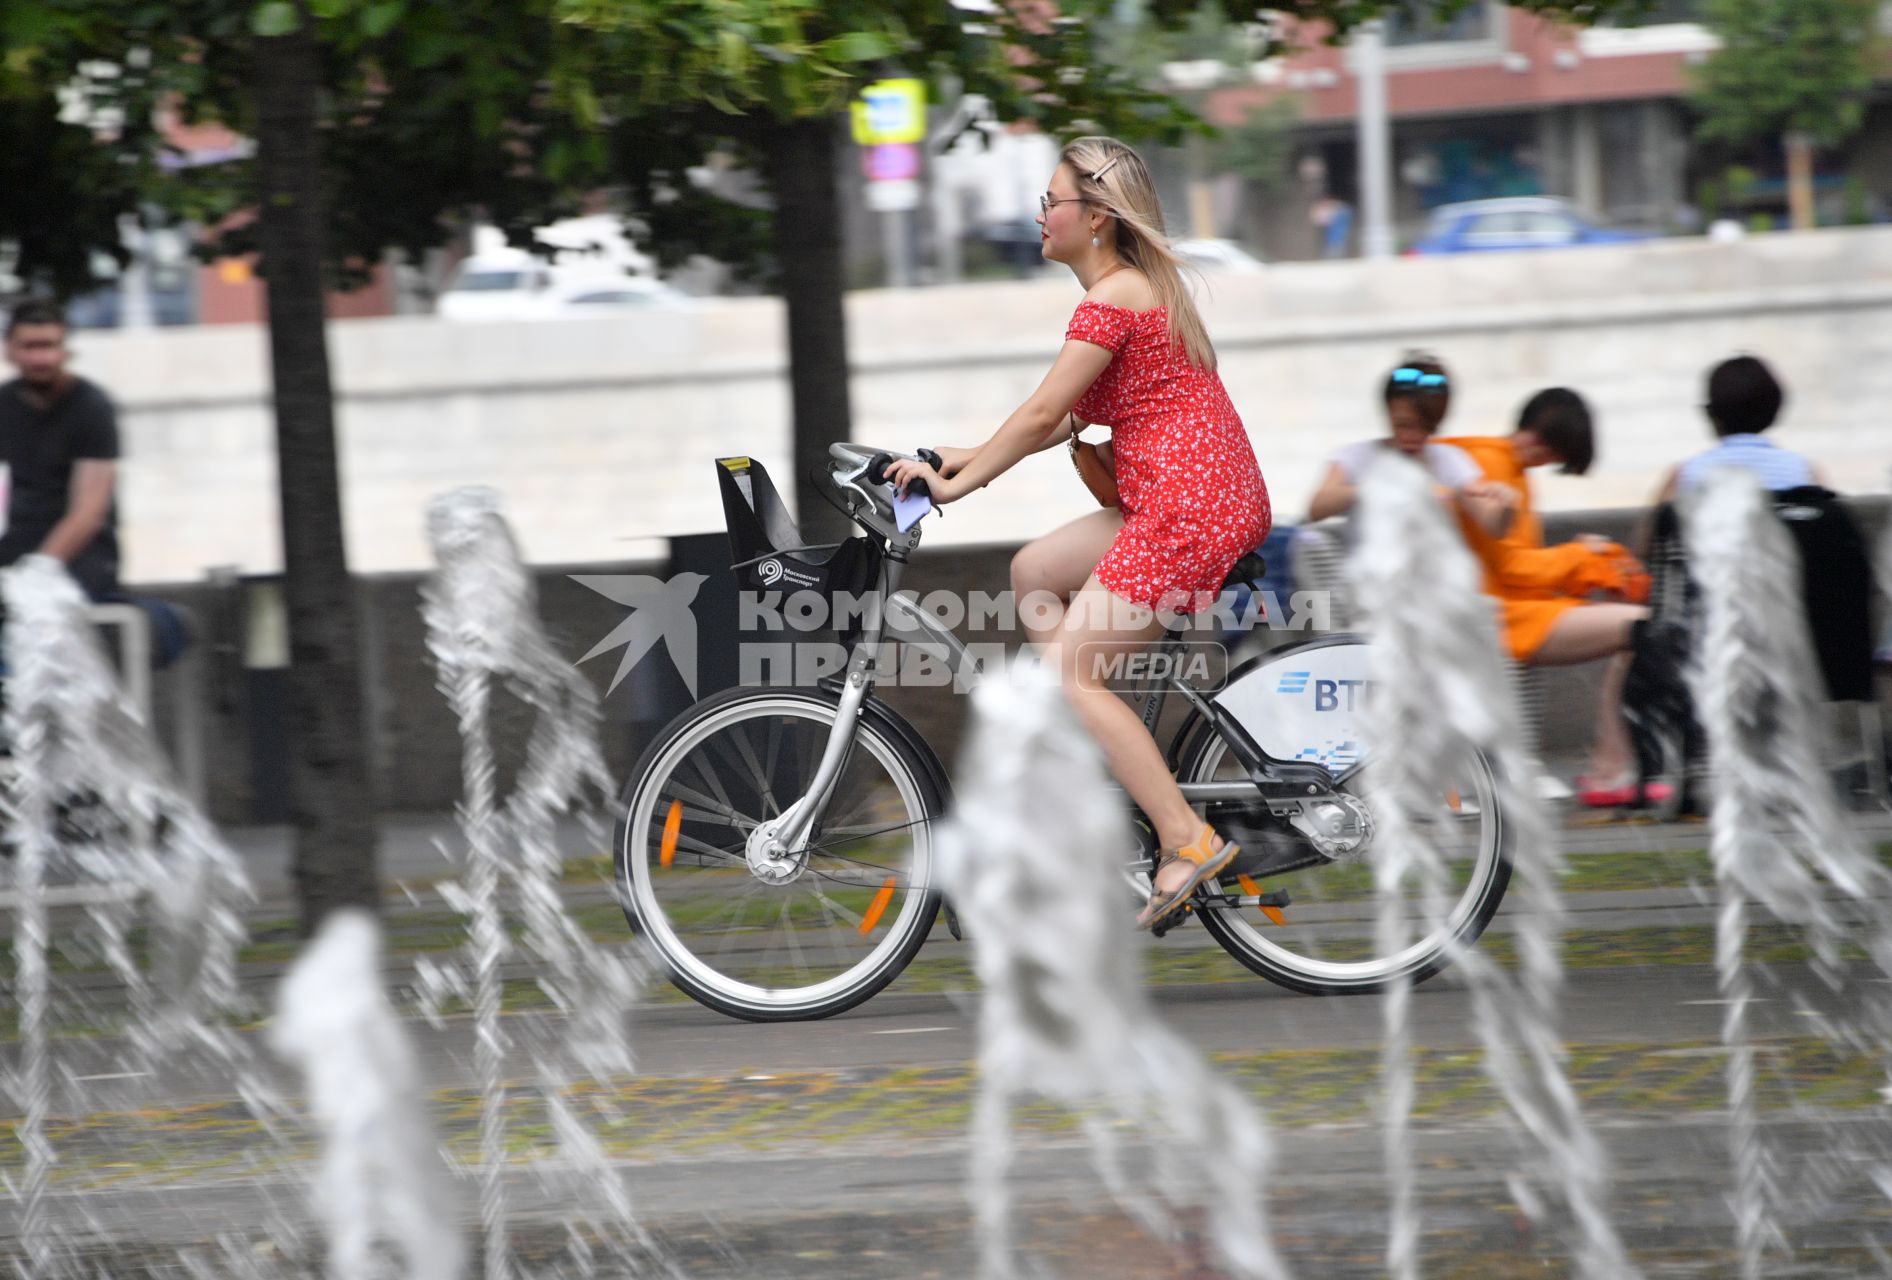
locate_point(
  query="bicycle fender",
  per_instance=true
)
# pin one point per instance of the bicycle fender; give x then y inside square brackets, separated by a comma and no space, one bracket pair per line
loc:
[1303,703]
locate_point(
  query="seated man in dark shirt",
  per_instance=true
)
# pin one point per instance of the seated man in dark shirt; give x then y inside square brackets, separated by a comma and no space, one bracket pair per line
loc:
[59,441]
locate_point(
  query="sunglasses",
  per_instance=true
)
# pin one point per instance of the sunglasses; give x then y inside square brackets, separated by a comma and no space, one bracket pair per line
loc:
[1411,377]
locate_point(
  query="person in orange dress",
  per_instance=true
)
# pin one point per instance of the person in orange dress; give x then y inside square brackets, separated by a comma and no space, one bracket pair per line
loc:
[1550,613]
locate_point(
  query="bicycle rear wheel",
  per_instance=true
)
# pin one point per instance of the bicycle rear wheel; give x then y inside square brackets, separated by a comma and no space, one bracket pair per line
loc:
[1328,943]
[804,937]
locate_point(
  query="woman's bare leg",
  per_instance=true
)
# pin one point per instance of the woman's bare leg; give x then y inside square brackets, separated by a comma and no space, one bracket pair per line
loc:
[1611,751]
[1097,627]
[1059,564]
[1588,632]
[1585,634]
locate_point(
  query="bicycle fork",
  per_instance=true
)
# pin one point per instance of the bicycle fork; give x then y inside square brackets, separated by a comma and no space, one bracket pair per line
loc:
[774,847]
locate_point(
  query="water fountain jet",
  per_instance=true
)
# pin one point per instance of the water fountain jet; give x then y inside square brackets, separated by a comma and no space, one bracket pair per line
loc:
[484,632]
[1439,695]
[1033,861]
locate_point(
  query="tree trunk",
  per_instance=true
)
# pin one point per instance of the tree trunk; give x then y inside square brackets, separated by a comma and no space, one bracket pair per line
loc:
[802,156]
[1800,180]
[330,801]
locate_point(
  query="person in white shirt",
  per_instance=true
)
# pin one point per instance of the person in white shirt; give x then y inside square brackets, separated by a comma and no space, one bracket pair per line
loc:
[1417,395]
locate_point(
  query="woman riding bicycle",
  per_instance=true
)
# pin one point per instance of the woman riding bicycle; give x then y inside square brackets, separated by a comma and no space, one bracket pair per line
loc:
[1137,358]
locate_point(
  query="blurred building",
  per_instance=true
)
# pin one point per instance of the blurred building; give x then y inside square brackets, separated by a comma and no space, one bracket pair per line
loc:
[165,283]
[1497,102]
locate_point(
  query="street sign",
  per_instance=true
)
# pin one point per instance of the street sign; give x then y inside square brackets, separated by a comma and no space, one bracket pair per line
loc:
[891,161]
[893,196]
[890,111]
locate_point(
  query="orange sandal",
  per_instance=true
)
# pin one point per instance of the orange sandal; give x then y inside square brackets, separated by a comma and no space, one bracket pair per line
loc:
[1162,904]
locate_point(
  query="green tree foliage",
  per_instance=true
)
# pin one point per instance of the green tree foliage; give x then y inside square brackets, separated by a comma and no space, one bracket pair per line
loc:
[1786,66]
[61,193]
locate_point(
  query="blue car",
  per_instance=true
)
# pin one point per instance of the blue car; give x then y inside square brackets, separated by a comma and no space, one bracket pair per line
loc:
[1517,222]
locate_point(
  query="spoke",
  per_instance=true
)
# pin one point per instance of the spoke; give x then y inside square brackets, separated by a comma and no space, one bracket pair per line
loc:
[765,782]
[859,833]
[729,937]
[855,867]
[835,834]
[702,771]
[772,750]
[703,818]
[834,908]
[720,808]
[854,880]
[695,845]
[788,936]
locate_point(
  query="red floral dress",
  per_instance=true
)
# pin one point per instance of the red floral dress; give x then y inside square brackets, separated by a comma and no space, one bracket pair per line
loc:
[1192,495]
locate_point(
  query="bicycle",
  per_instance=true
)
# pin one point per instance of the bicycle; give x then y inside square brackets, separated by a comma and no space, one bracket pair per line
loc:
[775,845]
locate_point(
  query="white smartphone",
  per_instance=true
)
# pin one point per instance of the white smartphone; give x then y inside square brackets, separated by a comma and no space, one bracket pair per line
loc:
[909,509]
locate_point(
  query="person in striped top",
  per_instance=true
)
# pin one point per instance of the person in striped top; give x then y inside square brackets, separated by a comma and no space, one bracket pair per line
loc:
[1744,399]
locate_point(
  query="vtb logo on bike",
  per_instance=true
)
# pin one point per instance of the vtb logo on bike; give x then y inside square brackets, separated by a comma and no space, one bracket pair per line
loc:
[1329,695]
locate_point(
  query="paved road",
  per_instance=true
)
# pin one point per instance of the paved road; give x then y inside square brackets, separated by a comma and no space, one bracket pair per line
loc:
[839,1149]
[1642,1004]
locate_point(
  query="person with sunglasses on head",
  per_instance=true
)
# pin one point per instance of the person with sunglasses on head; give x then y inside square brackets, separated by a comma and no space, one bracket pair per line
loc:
[1417,394]
[1191,499]
[1548,596]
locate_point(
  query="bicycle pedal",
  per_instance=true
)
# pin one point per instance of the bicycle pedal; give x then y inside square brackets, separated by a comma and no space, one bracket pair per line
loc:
[1269,903]
[1173,919]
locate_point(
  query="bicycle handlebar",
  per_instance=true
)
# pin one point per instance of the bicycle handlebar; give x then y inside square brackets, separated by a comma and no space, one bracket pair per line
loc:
[878,464]
[873,463]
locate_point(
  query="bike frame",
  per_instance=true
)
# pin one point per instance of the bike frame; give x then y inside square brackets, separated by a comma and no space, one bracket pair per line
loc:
[1285,785]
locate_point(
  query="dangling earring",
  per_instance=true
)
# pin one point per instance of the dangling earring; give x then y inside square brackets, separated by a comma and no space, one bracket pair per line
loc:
[1096,243]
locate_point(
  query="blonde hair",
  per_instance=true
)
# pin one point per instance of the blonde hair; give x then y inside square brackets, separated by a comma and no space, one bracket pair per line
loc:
[1112,175]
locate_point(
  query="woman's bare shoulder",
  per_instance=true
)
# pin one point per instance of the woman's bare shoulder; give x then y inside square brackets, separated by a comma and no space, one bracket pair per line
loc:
[1128,288]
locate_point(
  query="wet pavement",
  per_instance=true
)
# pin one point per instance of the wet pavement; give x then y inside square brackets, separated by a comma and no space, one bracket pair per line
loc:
[838,1149]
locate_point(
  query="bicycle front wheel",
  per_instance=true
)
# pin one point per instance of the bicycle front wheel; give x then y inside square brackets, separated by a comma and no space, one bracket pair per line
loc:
[804,935]
[1327,942]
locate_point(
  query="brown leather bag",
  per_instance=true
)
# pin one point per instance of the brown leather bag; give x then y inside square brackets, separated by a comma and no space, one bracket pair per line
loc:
[1097,468]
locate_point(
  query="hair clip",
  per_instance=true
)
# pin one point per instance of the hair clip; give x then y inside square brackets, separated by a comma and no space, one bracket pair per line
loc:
[1097,175]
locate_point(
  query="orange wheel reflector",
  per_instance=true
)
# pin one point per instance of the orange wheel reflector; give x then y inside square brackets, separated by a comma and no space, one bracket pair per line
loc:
[878,907]
[1274,914]
[667,853]
[1249,886]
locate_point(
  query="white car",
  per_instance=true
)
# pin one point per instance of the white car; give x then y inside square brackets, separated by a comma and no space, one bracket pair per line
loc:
[501,284]
[512,284]
[1217,255]
[611,297]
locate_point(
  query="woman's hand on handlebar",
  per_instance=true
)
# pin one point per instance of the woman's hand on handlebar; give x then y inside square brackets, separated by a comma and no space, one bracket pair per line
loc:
[903,471]
[951,460]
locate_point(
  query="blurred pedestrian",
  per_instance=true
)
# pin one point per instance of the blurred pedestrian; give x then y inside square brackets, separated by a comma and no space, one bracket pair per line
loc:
[1744,400]
[1549,616]
[59,442]
[1334,219]
[1417,395]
